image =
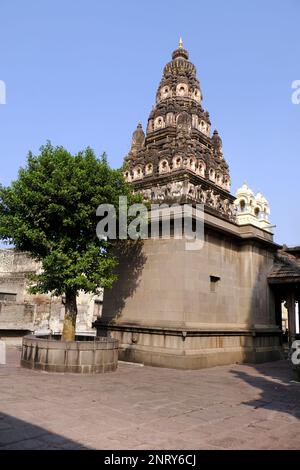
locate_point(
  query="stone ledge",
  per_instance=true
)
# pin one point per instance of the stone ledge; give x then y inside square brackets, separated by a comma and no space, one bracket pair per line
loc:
[214,330]
[191,361]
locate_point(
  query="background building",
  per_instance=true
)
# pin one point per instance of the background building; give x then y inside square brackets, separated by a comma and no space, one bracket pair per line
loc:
[21,312]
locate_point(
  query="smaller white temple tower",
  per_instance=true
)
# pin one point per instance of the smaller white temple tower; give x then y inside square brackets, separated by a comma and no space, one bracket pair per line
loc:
[252,209]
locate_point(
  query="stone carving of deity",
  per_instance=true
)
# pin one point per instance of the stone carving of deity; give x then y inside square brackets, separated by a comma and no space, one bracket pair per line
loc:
[201,194]
[232,211]
[168,190]
[191,190]
[160,192]
[218,202]
[210,200]
[177,189]
[185,162]
[225,206]
[184,123]
[147,194]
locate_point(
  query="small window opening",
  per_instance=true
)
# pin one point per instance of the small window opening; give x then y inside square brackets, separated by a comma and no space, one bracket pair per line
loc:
[242,205]
[98,307]
[214,282]
[7,296]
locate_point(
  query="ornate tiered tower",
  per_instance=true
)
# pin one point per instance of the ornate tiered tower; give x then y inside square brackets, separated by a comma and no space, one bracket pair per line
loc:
[178,160]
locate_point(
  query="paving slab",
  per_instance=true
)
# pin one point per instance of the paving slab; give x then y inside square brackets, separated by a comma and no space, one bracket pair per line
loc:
[226,407]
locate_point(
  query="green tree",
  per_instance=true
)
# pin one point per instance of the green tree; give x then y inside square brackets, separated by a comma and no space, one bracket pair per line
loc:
[50,212]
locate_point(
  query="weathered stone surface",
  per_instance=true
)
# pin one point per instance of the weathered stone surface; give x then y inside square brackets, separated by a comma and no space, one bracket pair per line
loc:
[85,357]
[178,160]
[2,352]
[164,313]
[225,407]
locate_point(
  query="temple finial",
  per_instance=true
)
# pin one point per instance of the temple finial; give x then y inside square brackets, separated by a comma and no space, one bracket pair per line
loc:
[180,43]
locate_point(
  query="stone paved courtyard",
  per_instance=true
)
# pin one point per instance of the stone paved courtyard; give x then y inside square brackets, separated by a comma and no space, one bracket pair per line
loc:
[228,407]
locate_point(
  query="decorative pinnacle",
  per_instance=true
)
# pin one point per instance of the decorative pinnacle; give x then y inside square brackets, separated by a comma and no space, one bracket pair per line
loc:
[180,43]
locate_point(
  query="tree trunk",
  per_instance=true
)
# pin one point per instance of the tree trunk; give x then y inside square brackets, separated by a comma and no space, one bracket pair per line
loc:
[69,328]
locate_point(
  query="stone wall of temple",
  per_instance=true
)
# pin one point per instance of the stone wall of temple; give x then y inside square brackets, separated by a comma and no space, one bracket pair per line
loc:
[190,309]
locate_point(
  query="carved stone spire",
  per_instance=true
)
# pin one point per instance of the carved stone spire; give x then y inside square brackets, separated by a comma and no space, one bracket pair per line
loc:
[138,139]
[178,144]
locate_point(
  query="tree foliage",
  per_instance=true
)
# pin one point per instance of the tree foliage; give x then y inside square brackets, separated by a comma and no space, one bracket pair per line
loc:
[50,212]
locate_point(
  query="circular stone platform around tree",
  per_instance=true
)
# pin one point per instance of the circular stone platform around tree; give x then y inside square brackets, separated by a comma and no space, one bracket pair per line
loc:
[85,355]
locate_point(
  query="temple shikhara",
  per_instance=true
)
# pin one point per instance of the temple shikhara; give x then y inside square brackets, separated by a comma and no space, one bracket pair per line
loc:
[178,159]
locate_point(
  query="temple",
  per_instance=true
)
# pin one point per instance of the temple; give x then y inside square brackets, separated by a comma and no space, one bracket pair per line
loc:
[190,309]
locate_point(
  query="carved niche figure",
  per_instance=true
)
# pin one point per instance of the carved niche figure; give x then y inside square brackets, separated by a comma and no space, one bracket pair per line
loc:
[177,189]
[154,192]
[229,209]
[201,194]
[232,211]
[185,162]
[168,190]
[184,123]
[218,202]
[160,193]
[191,190]
[215,197]
[147,194]
[210,198]
[225,206]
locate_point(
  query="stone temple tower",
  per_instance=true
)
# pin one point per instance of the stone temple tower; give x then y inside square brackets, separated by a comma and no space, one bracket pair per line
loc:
[178,160]
[172,307]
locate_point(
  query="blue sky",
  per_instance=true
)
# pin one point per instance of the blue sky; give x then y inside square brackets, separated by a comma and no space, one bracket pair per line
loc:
[84,72]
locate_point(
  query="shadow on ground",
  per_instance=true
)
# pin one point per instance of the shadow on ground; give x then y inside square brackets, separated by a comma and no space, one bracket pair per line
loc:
[277,390]
[16,434]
